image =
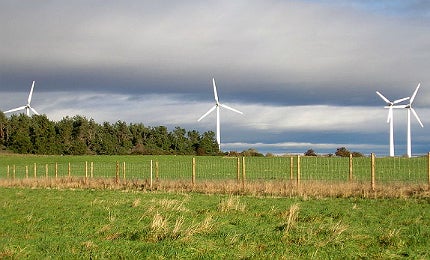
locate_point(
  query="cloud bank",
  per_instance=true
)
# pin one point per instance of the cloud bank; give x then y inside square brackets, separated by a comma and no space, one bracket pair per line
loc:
[304,71]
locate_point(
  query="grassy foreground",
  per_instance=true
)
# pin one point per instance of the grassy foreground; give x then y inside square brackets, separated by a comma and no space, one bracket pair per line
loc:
[100,224]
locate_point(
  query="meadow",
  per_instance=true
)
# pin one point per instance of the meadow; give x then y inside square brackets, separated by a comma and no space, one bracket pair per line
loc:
[130,224]
[250,175]
[225,168]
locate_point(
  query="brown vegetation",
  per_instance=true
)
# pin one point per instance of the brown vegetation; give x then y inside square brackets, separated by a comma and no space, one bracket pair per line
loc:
[257,188]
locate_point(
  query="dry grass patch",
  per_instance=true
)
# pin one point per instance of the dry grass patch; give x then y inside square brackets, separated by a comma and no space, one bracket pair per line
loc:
[161,228]
[232,203]
[314,189]
[291,216]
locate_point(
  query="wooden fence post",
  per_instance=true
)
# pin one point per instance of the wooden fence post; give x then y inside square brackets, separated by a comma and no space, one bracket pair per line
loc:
[26,171]
[350,167]
[298,171]
[123,171]
[46,170]
[8,171]
[156,171]
[238,170]
[193,180]
[14,171]
[86,171]
[150,177]
[69,170]
[428,167]
[92,170]
[56,170]
[35,170]
[243,172]
[291,168]
[372,171]
[117,173]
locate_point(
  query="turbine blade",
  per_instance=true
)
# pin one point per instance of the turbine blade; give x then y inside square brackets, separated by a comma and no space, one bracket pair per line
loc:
[230,108]
[207,113]
[416,116]
[15,109]
[396,106]
[34,110]
[215,92]
[31,93]
[383,98]
[400,100]
[415,93]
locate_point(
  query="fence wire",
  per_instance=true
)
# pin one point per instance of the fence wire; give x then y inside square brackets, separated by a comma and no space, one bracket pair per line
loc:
[207,168]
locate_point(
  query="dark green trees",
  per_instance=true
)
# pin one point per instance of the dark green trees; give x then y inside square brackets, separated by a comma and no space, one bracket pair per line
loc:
[78,136]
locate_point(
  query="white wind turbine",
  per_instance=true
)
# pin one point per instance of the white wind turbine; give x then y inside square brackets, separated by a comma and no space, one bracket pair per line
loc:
[410,108]
[217,107]
[390,119]
[27,107]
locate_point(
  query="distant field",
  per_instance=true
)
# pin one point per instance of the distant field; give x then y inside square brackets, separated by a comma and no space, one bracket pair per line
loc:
[109,224]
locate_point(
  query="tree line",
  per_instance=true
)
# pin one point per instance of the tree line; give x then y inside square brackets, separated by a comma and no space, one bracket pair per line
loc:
[80,136]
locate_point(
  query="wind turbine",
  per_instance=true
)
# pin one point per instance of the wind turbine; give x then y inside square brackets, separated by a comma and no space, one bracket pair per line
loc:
[217,107]
[27,107]
[390,118]
[410,108]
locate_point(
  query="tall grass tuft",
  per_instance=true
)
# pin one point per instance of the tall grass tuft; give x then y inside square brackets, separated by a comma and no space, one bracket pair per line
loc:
[232,203]
[291,216]
[159,227]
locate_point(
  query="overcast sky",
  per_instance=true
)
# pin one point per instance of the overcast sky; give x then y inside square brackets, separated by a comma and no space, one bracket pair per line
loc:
[304,73]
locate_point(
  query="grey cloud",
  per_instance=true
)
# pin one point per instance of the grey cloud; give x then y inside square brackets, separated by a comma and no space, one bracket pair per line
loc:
[293,47]
[267,54]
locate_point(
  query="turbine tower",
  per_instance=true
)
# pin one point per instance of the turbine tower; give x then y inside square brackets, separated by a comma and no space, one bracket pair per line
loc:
[27,107]
[390,118]
[410,108]
[217,107]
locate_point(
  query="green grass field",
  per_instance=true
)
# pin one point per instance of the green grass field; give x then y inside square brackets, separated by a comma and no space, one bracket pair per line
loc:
[408,170]
[112,224]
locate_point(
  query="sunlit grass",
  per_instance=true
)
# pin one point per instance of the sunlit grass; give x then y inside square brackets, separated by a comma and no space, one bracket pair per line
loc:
[89,223]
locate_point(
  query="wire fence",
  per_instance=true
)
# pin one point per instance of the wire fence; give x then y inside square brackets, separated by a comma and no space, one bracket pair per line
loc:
[250,169]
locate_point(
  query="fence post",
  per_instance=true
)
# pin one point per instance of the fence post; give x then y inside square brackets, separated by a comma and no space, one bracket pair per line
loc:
[298,171]
[68,170]
[150,177]
[156,171]
[193,180]
[243,172]
[35,170]
[238,170]
[14,171]
[56,170]
[46,170]
[92,169]
[26,171]
[86,171]
[117,173]
[428,167]
[350,167]
[123,170]
[8,171]
[372,165]
[291,168]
